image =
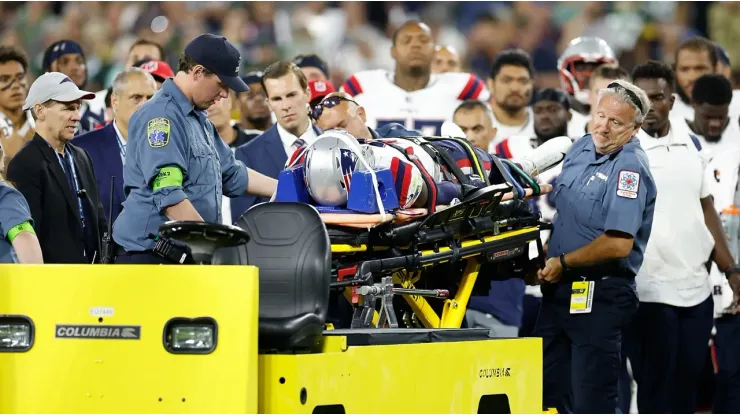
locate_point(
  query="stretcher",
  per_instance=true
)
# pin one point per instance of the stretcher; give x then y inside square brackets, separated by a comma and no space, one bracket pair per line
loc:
[432,262]
[244,331]
[430,257]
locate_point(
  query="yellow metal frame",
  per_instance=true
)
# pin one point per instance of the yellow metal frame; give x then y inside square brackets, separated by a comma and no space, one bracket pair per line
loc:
[440,377]
[62,375]
[454,309]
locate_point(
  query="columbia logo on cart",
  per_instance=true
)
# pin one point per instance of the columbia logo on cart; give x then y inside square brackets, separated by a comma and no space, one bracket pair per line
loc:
[98,331]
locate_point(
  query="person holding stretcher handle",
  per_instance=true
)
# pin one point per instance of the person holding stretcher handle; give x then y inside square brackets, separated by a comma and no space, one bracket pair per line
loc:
[606,197]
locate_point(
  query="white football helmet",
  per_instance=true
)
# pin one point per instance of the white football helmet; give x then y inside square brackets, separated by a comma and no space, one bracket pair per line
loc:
[579,59]
[328,168]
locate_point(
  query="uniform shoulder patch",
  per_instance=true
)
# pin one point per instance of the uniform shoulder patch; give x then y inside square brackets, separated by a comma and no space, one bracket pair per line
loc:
[158,132]
[628,184]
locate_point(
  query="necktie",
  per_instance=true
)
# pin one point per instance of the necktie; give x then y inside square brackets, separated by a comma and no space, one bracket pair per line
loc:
[298,144]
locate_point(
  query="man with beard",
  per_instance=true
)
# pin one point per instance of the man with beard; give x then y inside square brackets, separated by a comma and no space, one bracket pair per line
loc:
[16,126]
[255,114]
[510,84]
[694,58]
[668,337]
[67,57]
[719,136]
[411,95]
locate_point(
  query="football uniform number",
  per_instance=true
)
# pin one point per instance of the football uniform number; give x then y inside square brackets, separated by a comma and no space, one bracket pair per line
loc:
[425,127]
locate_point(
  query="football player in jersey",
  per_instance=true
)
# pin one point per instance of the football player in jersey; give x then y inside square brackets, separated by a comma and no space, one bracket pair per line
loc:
[579,60]
[720,135]
[694,57]
[411,95]
[510,85]
[446,59]
[67,57]
[16,126]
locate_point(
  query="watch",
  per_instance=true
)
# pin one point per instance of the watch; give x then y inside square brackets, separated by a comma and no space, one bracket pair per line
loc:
[562,262]
[734,268]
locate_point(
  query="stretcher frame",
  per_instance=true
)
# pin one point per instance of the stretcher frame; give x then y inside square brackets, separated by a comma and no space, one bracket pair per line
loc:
[498,241]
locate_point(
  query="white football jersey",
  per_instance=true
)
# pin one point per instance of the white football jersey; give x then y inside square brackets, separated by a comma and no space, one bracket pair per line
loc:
[424,110]
[577,125]
[503,131]
[680,110]
[735,104]
[724,162]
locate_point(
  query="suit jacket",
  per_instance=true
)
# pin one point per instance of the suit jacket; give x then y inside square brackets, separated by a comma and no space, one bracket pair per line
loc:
[266,155]
[102,146]
[37,174]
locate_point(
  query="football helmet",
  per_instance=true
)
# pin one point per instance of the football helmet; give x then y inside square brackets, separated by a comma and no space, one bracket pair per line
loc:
[574,75]
[328,167]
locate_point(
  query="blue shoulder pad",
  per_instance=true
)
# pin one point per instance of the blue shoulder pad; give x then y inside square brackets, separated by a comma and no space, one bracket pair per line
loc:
[395,130]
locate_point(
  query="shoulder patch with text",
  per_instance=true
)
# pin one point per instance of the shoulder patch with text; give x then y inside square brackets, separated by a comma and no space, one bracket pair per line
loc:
[158,132]
[628,184]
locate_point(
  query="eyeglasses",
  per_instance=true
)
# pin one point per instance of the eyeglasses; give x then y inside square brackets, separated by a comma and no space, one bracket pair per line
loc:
[329,102]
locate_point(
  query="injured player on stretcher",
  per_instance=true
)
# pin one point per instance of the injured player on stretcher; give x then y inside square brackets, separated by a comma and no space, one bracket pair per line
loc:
[426,172]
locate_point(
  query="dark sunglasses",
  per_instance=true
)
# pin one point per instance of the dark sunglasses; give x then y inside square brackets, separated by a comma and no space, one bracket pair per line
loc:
[330,102]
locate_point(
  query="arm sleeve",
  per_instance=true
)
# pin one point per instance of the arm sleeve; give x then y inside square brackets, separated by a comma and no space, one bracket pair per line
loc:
[14,211]
[233,172]
[474,89]
[28,183]
[626,198]
[161,142]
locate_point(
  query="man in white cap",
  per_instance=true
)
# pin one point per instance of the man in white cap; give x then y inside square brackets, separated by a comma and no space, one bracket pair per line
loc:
[69,219]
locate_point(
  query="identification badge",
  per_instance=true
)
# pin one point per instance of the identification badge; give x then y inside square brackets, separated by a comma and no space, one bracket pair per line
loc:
[581,297]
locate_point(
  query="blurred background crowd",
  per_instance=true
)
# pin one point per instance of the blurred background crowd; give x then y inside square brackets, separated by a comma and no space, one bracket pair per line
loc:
[355,36]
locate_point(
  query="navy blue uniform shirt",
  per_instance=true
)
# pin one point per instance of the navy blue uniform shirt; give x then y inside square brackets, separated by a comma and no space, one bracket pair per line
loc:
[14,211]
[598,193]
[173,152]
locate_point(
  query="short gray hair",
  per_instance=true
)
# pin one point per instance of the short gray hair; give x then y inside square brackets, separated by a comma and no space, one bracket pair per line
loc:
[626,92]
[123,77]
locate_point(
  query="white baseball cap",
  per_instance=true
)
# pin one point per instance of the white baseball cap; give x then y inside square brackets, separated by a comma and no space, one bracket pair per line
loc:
[54,86]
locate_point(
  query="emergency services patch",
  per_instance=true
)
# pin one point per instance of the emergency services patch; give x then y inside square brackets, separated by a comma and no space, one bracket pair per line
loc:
[628,184]
[158,132]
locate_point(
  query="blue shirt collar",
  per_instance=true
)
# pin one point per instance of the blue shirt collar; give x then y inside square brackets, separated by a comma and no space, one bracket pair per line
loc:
[170,88]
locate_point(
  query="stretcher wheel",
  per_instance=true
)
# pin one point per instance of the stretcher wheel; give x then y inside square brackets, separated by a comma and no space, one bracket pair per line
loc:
[203,238]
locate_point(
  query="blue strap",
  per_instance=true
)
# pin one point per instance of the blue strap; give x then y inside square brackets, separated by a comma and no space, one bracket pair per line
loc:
[70,160]
[696,141]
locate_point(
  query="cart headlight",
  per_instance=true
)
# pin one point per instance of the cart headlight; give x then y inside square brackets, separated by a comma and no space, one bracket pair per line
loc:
[16,333]
[190,336]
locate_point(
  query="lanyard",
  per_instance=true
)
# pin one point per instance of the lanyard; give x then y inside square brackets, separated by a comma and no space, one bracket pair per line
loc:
[121,148]
[121,144]
[70,159]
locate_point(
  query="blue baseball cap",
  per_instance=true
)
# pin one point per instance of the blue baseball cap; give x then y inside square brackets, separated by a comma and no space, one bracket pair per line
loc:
[219,56]
[253,77]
